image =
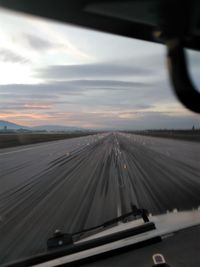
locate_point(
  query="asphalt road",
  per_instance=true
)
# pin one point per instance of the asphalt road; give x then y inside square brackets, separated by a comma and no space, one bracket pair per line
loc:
[82,182]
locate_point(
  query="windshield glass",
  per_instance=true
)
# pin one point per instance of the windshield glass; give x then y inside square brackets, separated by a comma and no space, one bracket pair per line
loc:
[89,127]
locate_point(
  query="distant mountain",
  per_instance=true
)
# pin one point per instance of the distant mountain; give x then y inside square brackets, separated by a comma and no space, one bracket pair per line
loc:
[11,125]
[49,128]
[57,128]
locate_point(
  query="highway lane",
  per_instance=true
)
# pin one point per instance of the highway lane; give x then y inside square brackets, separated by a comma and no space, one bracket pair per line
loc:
[78,183]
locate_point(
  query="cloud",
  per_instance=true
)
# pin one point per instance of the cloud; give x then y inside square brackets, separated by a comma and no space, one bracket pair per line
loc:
[73,95]
[6,95]
[38,43]
[71,87]
[7,55]
[23,105]
[24,117]
[112,84]
[101,102]
[55,88]
[132,120]
[105,95]
[29,106]
[90,71]
[145,120]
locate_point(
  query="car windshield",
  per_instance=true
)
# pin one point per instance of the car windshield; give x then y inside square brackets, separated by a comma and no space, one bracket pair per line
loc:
[89,128]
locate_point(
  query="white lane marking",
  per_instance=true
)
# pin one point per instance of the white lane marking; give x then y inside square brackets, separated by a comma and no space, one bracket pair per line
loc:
[38,145]
[119,210]
[28,148]
[24,149]
[17,151]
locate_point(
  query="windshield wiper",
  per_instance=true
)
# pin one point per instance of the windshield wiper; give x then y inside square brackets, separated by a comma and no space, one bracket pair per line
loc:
[60,239]
[64,245]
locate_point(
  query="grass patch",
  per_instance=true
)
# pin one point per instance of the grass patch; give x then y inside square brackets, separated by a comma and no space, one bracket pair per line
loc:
[10,140]
[185,135]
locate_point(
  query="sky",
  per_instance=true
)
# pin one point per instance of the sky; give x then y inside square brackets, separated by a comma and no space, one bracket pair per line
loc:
[58,74]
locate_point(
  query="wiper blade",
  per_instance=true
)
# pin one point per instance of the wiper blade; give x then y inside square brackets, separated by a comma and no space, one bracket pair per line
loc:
[62,239]
[143,213]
